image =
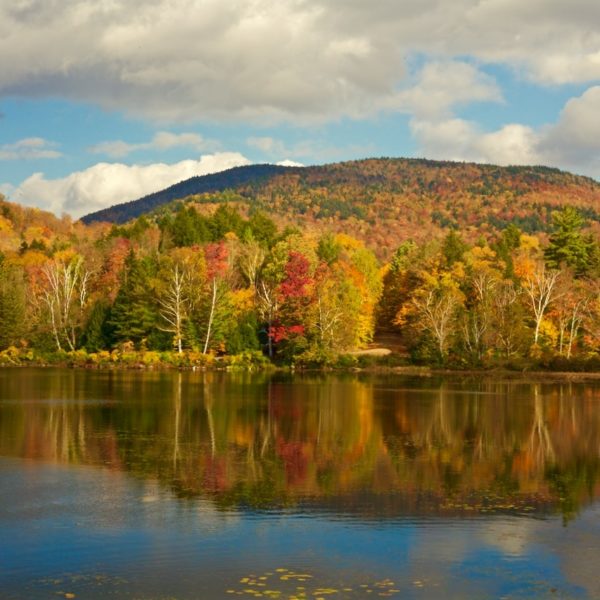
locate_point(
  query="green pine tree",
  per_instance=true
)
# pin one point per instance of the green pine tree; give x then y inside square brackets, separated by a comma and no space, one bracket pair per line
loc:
[134,314]
[568,245]
[96,334]
[12,305]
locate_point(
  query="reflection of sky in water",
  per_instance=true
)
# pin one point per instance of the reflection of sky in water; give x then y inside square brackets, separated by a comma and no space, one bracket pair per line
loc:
[178,485]
[141,541]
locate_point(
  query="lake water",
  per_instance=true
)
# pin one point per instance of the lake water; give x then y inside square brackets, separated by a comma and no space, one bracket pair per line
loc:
[224,485]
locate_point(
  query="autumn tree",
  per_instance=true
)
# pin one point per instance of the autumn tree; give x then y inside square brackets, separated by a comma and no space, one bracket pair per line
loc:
[509,331]
[540,288]
[210,307]
[294,297]
[480,284]
[174,305]
[433,311]
[65,296]
[574,299]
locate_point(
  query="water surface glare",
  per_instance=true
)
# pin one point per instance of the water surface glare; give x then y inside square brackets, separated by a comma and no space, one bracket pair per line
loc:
[167,485]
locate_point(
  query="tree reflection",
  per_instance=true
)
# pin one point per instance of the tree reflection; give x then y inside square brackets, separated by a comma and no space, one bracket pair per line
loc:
[387,446]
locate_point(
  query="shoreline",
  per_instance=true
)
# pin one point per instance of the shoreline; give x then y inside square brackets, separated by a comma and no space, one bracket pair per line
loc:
[405,370]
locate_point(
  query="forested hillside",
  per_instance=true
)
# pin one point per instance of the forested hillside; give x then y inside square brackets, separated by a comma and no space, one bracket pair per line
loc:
[191,287]
[382,201]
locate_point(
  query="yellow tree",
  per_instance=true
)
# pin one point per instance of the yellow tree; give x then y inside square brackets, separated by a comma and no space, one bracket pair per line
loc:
[433,310]
[65,296]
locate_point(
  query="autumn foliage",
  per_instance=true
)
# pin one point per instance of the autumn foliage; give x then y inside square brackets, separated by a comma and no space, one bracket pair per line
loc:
[215,278]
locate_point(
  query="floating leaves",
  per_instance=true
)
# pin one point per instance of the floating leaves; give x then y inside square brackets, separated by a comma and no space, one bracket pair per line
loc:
[284,583]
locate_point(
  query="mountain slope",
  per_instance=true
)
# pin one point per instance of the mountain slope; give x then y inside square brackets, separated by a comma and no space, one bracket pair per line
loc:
[386,200]
[214,182]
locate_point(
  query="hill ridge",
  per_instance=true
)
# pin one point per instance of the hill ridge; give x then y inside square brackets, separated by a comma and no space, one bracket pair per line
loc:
[384,200]
[211,182]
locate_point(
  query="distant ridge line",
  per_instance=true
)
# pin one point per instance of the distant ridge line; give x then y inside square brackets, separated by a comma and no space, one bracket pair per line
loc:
[199,184]
[423,178]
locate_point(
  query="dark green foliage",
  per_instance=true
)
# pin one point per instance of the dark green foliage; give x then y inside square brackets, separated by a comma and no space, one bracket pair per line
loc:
[134,314]
[453,247]
[37,245]
[12,305]
[328,250]
[96,335]
[224,220]
[134,231]
[331,207]
[568,246]
[509,241]
[401,258]
[243,335]
[263,228]
[186,228]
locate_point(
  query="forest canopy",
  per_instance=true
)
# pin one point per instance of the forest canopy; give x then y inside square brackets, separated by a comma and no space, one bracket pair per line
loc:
[222,281]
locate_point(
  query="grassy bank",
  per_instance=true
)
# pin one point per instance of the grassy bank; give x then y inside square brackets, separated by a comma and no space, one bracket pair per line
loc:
[556,368]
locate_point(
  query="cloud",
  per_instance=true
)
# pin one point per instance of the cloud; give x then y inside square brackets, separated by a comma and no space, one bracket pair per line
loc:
[163,140]
[6,189]
[309,150]
[289,163]
[575,139]
[572,142]
[176,60]
[267,145]
[443,85]
[29,149]
[458,139]
[106,184]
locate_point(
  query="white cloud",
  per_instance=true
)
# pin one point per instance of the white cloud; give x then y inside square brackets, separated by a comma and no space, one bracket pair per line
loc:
[178,60]
[458,139]
[29,149]
[572,142]
[106,184]
[442,85]
[575,139]
[289,163]
[310,150]
[163,140]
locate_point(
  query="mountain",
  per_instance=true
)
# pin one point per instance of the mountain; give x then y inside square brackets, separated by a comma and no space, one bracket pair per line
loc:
[387,199]
[234,178]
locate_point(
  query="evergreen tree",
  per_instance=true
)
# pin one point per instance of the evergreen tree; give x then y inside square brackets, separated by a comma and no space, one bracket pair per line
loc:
[134,314]
[263,228]
[188,228]
[12,305]
[224,220]
[453,247]
[96,334]
[568,246]
[509,241]
[328,249]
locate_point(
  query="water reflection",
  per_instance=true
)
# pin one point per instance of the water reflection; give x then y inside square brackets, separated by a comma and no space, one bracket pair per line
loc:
[374,447]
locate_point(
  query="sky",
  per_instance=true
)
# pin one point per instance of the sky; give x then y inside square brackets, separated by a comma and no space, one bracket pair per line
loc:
[103,101]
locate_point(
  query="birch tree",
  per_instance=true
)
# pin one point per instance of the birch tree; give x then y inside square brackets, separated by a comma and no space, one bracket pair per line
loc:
[540,288]
[65,297]
[175,305]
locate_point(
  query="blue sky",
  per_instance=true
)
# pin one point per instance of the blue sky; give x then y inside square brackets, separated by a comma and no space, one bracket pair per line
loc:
[104,101]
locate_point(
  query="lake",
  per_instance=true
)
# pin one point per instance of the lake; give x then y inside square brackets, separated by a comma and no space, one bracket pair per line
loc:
[168,485]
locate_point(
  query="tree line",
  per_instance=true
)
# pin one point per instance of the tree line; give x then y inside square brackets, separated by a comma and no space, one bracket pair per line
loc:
[229,284]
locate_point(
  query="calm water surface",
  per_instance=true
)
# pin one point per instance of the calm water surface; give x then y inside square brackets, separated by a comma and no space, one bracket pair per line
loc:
[207,486]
